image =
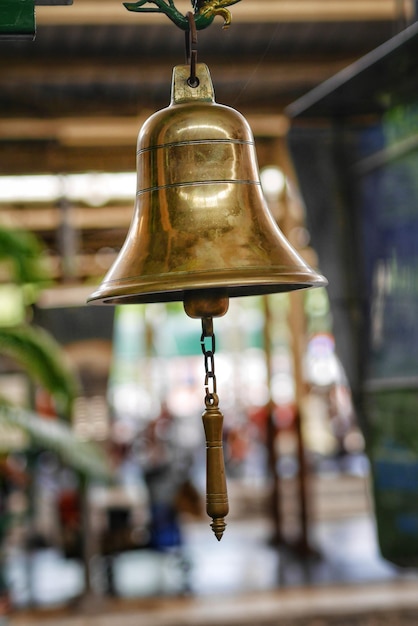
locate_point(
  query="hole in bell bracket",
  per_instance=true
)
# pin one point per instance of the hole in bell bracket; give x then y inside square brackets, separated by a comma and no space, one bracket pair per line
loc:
[191,50]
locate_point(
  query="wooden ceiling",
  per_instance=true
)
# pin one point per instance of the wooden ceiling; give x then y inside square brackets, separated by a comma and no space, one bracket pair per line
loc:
[74,99]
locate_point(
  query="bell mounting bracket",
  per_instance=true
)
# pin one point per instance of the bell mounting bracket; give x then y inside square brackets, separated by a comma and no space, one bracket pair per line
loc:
[204,11]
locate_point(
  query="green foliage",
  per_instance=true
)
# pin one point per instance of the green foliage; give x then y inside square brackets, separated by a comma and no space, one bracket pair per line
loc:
[24,251]
[43,360]
[85,457]
[35,350]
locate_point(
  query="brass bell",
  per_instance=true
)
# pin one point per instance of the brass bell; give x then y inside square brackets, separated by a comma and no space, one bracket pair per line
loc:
[201,221]
[201,233]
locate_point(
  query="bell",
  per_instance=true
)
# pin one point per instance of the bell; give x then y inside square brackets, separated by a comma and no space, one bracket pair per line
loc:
[201,223]
[201,233]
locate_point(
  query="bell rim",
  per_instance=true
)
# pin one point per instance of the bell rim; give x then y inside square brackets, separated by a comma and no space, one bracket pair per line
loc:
[165,289]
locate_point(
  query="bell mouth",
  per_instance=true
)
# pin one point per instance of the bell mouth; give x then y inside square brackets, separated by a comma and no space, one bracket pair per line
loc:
[175,287]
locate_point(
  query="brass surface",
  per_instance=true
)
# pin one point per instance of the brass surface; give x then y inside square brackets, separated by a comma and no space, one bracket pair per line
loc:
[200,219]
[206,303]
[217,506]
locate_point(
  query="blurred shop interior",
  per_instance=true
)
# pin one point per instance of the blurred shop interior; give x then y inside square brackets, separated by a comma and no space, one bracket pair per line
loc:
[102,448]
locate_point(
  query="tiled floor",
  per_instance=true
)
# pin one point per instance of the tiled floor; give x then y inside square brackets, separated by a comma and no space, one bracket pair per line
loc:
[241,581]
[243,574]
[243,562]
[382,604]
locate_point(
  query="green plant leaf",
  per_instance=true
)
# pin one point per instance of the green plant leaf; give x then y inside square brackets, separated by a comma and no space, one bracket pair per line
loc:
[43,359]
[52,434]
[24,251]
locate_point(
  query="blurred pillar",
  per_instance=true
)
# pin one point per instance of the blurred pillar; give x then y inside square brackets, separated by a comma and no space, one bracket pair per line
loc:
[272,453]
[67,239]
[297,327]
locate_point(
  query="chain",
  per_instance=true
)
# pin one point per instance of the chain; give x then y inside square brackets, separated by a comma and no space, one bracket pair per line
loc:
[207,342]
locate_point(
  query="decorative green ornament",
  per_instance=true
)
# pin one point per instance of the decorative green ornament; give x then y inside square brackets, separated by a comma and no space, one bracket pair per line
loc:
[205,11]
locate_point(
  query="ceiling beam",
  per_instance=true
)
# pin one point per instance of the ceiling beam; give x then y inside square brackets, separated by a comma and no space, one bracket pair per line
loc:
[40,157]
[314,69]
[81,218]
[50,3]
[48,157]
[113,12]
[109,131]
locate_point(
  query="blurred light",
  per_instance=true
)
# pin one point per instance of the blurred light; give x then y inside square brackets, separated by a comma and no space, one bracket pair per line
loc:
[322,366]
[354,442]
[95,189]
[29,188]
[283,388]
[317,302]
[12,309]
[131,401]
[273,181]
[98,189]
[105,257]
[299,237]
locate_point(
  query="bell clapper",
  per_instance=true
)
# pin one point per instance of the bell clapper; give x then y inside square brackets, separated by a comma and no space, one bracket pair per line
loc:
[207,304]
[217,506]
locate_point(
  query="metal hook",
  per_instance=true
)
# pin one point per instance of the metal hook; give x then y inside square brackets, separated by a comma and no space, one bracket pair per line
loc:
[191,49]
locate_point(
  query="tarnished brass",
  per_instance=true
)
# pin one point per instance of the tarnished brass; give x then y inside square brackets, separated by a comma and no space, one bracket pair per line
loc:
[217,506]
[206,303]
[200,220]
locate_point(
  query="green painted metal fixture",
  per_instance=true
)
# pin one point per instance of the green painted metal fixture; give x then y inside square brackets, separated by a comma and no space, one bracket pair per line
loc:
[17,17]
[205,11]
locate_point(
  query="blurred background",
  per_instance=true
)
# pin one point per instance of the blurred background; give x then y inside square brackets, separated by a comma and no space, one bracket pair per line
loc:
[102,450]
